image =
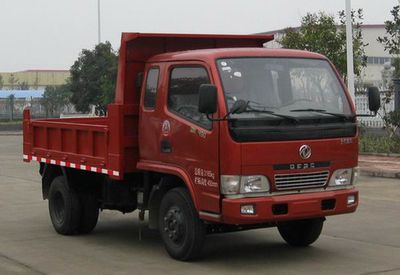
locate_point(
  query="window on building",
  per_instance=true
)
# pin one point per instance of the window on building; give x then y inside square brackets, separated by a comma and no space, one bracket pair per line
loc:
[377,60]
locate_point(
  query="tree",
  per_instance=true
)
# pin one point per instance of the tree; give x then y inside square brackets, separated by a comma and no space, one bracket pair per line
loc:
[392,123]
[391,41]
[36,82]
[10,103]
[54,98]
[320,33]
[93,78]
[12,81]
[1,82]
[22,85]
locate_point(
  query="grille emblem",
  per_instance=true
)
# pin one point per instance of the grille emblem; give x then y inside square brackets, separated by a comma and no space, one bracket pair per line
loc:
[305,151]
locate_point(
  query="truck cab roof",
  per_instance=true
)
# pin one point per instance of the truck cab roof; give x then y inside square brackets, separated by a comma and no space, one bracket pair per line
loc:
[208,55]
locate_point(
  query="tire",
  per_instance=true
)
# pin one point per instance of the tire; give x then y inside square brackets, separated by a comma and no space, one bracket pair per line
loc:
[301,232]
[181,229]
[64,207]
[89,213]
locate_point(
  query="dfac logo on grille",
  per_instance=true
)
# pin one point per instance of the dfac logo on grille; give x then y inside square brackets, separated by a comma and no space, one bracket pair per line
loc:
[305,151]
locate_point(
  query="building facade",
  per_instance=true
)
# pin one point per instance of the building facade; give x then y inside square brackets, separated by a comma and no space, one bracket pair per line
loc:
[33,79]
[376,56]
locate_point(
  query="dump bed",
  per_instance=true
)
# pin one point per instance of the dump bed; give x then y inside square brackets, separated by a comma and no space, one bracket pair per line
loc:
[80,143]
[69,140]
[109,145]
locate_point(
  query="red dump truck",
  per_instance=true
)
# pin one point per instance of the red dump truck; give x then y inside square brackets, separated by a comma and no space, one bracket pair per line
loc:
[208,133]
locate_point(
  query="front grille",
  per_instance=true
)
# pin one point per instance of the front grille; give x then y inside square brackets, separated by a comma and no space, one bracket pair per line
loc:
[301,180]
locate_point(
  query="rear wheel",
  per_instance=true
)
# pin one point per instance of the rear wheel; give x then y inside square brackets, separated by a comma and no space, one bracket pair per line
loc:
[301,232]
[89,213]
[64,207]
[181,229]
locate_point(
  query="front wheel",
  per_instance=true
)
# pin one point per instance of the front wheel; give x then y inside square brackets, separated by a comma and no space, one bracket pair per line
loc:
[301,232]
[181,229]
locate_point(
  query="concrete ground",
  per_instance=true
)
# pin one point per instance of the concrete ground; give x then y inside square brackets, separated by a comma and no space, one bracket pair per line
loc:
[366,242]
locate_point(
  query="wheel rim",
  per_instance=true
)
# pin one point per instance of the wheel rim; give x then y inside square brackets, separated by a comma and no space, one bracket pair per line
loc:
[59,207]
[174,225]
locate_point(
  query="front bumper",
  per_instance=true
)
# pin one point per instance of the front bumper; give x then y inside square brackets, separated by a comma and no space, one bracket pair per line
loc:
[289,207]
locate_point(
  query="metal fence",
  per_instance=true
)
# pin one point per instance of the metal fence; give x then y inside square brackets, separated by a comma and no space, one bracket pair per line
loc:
[35,105]
[39,111]
[17,108]
[361,102]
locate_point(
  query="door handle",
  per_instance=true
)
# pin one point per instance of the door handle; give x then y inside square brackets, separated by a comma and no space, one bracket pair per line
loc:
[166,146]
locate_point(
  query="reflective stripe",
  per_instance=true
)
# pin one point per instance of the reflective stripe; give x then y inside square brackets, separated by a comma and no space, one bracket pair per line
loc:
[73,165]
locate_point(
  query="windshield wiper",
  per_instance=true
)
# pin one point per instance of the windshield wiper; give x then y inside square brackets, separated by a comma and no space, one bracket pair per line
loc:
[243,106]
[263,110]
[322,111]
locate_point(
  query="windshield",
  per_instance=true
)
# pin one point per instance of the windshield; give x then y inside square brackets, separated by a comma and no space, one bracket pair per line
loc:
[293,86]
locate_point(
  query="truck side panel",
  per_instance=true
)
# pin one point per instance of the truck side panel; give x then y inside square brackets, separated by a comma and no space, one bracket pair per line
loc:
[80,143]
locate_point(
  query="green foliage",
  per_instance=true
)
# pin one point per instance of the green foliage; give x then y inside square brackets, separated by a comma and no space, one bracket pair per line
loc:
[22,85]
[320,33]
[388,143]
[93,78]
[379,144]
[12,81]
[396,65]
[391,41]
[54,98]
[394,118]
[360,59]
[10,103]
[1,82]
[36,83]
[392,122]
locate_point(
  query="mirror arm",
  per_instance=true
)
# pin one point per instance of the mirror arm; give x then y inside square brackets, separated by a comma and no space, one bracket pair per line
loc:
[367,115]
[216,119]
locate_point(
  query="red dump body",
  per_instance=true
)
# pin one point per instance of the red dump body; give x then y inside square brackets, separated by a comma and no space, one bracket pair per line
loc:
[109,145]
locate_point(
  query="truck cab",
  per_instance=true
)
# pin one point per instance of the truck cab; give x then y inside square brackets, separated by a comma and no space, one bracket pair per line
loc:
[296,135]
[208,133]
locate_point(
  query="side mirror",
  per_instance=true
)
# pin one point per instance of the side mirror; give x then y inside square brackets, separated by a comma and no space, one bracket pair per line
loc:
[374,99]
[207,99]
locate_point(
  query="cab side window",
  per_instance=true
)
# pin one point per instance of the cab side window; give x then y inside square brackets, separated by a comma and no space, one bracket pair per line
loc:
[151,88]
[183,93]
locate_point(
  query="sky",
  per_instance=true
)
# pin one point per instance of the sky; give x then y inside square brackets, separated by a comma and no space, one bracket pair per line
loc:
[50,34]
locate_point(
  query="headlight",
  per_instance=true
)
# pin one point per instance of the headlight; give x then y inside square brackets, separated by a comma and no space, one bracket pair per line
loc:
[254,184]
[231,185]
[342,177]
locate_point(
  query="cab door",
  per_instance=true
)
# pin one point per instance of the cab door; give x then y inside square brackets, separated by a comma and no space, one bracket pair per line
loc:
[188,139]
[151,108]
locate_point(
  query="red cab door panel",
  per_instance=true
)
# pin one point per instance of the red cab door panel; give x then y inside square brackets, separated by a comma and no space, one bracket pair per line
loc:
[187,138]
